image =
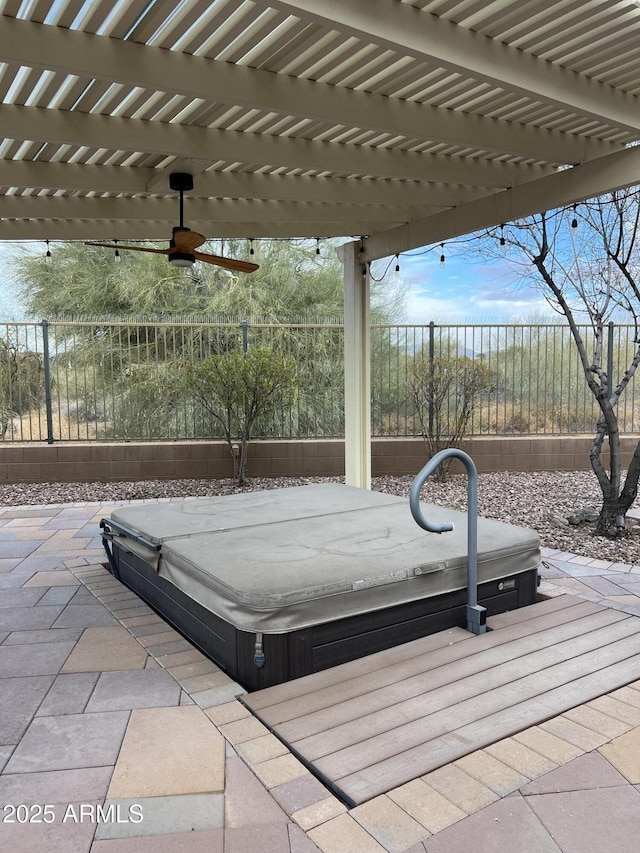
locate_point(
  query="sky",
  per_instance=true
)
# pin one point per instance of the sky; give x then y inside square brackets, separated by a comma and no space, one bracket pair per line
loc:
[462,290]
[465,290]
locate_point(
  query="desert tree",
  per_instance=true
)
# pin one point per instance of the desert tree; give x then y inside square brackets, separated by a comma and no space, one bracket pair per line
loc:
[586,259]
[445,392]
[239,389]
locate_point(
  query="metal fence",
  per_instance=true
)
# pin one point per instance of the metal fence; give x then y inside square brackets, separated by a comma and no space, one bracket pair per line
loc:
[124,380]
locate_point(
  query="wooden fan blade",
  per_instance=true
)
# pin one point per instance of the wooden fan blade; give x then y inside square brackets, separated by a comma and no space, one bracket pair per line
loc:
[131,248]
[187,241]
[226,263]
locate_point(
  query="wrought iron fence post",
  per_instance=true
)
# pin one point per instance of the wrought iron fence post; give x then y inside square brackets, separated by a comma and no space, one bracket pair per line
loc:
[610,385]
[245,336]
[47,380]
[432,353]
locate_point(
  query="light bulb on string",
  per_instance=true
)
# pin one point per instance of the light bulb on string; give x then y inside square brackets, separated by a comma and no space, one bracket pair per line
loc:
[116,254]
[317,245]
[442,257]
[503,242]
[397,269]
[574,221]
[47,256]
[251,252]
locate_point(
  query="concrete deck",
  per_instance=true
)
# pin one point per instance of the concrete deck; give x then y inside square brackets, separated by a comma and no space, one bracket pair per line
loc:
[117,735]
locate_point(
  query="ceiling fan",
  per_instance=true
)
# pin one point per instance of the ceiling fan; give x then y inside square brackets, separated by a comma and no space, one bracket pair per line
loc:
[181,251]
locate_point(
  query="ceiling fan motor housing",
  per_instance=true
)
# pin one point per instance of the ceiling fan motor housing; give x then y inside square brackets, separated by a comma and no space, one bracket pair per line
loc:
[181,181]
[181,259]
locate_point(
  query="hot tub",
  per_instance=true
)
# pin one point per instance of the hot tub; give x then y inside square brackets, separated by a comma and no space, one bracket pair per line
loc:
[277,584]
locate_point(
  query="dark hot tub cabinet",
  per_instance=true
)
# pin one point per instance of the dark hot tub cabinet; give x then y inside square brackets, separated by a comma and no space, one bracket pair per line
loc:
[276,584]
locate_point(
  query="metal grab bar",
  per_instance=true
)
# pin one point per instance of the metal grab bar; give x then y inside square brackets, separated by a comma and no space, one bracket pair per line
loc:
[476,615]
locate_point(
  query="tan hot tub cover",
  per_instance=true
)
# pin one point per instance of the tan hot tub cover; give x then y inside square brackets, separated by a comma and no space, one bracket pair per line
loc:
[280,560]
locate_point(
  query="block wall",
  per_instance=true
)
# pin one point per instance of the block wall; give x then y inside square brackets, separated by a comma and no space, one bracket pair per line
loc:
[191,460]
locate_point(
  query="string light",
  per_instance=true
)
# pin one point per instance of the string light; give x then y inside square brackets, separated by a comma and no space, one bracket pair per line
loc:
[442,257]
[574,221]
[397,269]
[47,257]
[502,240]
[317,245]
[116,255]
[251,252]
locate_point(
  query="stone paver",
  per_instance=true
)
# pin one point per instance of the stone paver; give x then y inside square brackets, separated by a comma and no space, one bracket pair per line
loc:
[69,694]
[56,786]
[508,825]
[574,733]
[190,670]
[149,688]
[242,730]
[34,659]
[624,754]
[491,772]
[201,683]
[545,743]
[342,834]
[28,618]
[20,597]
[615,708]
[68,742]
[426,805]
[607,819]
[61,836]
[261,749]
[257,839]
[465,792]
[227,713]
[318,813]
[174,842]
[389,824]
[524,760]
[299,793]
[596,720]
[277,771]
[52,635]
[106,649]
[63,595]
[218,695]
[588,771]
[143,816]
[59,578]
[247,802]
[19,701]
[84,616]
[180,744]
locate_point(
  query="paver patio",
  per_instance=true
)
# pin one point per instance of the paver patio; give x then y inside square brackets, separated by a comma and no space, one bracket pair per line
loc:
[99,707]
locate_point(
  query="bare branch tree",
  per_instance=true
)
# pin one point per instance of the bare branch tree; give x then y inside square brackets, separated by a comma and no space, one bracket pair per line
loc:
[587,260]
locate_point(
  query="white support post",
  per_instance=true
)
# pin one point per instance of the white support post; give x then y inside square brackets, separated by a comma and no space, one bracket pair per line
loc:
[357,371]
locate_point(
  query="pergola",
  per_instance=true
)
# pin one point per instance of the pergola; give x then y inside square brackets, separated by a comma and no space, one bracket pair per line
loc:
[399,123]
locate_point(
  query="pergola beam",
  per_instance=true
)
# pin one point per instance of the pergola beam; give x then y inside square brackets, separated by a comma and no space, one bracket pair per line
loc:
[87,178]
[568,186]
[92,57]
[203,210]
[432,39]
[204,144]
[24,230]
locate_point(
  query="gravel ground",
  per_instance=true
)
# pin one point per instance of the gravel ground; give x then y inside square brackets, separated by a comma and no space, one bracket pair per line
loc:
[541,500]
